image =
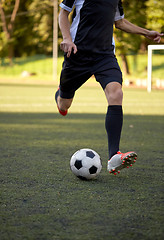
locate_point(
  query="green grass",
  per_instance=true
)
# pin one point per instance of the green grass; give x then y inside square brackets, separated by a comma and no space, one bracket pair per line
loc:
[42,66]
[39,98]
[39,196]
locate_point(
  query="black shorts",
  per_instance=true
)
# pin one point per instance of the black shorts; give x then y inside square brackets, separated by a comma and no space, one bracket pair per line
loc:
[79,67]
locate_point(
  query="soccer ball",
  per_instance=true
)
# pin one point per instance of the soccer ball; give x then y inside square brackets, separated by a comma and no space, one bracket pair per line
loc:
[85,164]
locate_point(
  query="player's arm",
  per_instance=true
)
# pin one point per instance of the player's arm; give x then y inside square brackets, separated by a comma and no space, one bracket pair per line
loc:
[126,26]
[66,45]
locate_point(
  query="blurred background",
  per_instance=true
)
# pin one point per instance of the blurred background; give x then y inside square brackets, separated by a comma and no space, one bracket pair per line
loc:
[29,31]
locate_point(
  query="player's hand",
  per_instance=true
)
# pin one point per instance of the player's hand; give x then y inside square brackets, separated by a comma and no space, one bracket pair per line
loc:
[155,36]
[67,46]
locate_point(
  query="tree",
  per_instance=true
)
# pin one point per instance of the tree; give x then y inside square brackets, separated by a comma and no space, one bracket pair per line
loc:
[8,25]
[33,28]
[26,27]
[135,12]
[41,15]
[155,15]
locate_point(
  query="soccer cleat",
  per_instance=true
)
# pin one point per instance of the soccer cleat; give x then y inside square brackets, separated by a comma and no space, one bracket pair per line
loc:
[63,113]
[120,161]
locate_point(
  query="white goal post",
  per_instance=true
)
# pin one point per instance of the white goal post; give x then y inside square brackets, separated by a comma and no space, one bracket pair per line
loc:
[149,67]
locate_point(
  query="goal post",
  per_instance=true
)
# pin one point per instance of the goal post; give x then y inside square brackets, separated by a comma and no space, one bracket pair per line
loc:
[149,67]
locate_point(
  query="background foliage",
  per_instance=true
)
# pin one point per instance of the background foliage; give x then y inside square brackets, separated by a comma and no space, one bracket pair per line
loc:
[33,26]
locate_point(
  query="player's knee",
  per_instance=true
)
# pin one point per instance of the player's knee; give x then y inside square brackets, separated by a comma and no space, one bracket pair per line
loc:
[114,94]
[64,104]
[119,95]
[115,97]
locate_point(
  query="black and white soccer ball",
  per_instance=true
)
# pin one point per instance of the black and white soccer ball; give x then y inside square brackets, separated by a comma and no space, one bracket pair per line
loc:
[85,163]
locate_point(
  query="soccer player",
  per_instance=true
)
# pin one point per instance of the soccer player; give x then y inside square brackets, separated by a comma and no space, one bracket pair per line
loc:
[89,50]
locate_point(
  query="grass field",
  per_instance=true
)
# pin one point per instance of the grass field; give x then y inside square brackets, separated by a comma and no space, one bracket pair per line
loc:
[42,67]
[39,196]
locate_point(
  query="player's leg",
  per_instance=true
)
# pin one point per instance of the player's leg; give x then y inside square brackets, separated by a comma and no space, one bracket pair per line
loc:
[114,116]
[113,123]
[75,72]
[110,78]
[63,104]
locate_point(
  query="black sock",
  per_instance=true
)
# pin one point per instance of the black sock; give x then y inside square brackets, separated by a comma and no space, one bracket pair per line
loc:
[113,124]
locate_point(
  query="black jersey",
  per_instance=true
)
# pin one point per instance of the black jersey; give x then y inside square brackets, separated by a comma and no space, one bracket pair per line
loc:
[92,26]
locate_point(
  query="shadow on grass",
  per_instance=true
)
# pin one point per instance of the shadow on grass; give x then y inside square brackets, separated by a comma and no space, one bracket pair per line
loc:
[42,199]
